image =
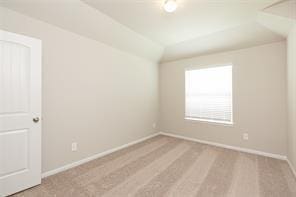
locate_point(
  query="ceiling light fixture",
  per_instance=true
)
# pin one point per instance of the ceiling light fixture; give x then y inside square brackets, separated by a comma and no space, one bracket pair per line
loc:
[170,5]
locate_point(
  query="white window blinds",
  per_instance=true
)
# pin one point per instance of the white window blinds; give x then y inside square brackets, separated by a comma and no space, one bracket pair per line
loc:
[209,94]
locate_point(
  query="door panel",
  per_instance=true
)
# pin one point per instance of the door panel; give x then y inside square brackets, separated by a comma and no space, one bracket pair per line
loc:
[20,102]
[17,143]
[15,78]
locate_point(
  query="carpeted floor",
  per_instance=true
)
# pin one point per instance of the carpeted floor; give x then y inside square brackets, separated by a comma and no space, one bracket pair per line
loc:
[165,166]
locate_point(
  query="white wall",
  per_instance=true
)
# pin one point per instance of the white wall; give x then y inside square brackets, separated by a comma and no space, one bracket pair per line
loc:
[259,85]
[93,94]
[291,42]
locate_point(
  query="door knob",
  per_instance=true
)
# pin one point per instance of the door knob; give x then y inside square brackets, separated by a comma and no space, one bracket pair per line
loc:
[36,119]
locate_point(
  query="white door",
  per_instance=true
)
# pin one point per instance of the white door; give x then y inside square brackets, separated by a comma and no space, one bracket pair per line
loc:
[20,112]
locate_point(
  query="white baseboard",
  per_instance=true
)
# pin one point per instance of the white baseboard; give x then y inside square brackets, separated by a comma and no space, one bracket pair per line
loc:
[82,161]
[292,167]
[246,150]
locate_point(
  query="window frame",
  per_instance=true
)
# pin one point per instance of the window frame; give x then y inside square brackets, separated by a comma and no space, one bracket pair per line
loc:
[205,120]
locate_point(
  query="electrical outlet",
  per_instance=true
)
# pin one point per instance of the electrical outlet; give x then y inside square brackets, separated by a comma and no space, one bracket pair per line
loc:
[154,125]
[246,136]
[74,146]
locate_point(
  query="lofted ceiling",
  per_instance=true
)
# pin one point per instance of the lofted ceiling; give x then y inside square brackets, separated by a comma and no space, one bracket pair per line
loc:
[143,28]
[193,18]
[285,8]
[242,36]
[78,17]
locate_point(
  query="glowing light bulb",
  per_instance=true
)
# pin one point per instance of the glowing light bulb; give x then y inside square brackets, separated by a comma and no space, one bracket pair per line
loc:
[170,5]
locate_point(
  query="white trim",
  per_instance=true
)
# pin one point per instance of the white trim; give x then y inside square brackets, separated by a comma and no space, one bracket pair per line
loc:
[292,167]
[246,150]
[209,121]
[82,161]
[199,67]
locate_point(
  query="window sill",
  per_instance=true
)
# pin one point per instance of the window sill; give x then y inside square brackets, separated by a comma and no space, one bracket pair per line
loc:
[206,121]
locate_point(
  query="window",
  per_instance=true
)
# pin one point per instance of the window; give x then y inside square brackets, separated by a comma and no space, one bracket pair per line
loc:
[209,94]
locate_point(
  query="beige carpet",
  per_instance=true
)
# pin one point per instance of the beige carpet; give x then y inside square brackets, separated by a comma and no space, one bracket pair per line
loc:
[165,166]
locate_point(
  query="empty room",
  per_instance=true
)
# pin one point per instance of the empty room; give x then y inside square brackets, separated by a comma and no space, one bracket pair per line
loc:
[148,98]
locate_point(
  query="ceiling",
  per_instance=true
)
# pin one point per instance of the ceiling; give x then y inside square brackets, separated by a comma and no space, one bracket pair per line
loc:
[193,18]
[143,28]
[242,36]
[283,8]
[77,17]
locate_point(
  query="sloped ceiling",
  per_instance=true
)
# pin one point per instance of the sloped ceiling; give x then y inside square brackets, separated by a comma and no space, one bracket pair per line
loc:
[285,9]
[243,36]
[78,17]
[142,28]
[280,17]
[192,19]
